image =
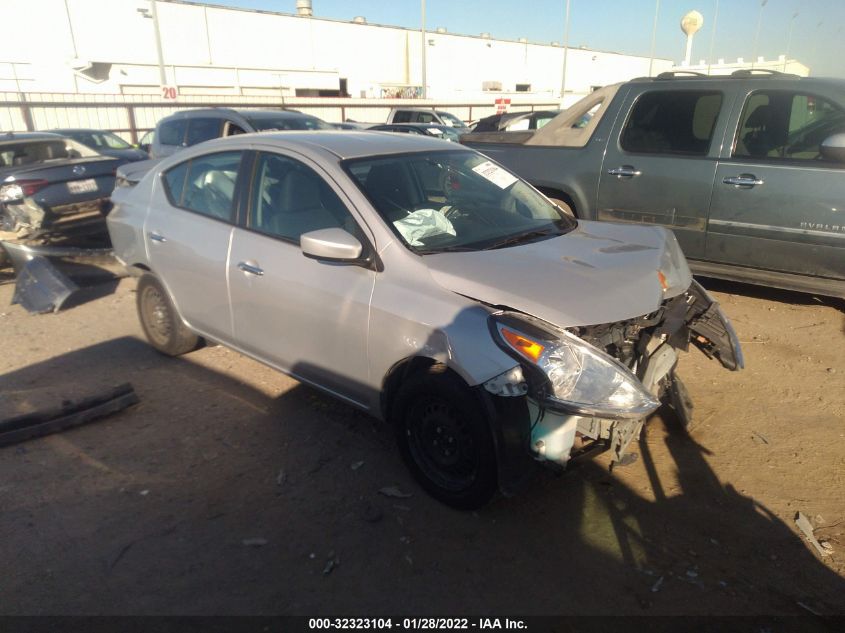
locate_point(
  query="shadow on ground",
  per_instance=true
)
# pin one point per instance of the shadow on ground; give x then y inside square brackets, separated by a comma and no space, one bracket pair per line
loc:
[148,512]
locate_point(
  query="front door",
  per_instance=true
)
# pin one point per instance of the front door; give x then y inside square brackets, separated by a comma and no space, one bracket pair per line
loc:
[188,230]
[777,203]
[659,168]
[304,316]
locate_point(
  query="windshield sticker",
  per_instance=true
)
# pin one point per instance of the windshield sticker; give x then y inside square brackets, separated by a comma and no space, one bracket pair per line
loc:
[495,174]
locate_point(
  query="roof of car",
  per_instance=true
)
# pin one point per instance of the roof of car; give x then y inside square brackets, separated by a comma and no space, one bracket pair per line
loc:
[228,112]
[745,74]
[351,144]
[73,130]
[11,137]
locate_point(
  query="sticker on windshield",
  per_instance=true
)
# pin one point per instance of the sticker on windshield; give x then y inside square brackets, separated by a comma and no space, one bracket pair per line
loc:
[495,174]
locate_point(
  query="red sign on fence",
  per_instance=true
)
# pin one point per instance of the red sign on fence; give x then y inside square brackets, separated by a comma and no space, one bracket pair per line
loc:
[502,105]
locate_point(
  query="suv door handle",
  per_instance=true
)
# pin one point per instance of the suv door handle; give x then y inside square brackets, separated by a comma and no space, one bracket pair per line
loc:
[157,237]
[743,180]
[251,268]
[626,171]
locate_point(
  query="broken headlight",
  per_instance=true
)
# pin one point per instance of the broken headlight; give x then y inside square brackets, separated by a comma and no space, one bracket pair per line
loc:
[581,378]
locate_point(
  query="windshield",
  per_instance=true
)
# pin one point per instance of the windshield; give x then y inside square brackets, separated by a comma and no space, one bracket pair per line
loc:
[451,120]
[40,151]
[290,123]
[100,140]
[455,201]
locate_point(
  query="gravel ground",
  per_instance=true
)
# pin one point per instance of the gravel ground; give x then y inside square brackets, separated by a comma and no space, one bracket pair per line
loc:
[231,489]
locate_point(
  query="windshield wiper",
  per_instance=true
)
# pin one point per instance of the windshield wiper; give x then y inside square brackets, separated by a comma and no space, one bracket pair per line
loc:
[523,237]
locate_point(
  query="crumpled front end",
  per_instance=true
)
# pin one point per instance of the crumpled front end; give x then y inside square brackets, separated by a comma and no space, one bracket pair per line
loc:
[599,383]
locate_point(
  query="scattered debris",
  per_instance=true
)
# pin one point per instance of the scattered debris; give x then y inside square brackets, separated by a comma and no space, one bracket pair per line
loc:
[714,541]
[656,586]
[804,605]
[255,542]
[144,493]
[405,539]
[67,415]
[395,492]
[312,556]
[409,560]
[281,478]
[332,562]
[41,287]
[762,437]
[691,573]
[806,527]
[356,465]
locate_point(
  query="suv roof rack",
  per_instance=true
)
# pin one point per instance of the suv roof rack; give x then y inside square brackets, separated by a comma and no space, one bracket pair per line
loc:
[745,73]
[680,74]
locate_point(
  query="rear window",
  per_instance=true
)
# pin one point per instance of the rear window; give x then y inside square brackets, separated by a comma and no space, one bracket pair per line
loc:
[672,122]
[205,184]
[172,132]
[290,123]
[200,130]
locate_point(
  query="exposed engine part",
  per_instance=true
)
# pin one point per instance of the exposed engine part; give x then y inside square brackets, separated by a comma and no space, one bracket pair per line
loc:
[511,383]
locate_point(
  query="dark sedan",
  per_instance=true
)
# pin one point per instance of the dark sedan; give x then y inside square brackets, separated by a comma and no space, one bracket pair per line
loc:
[426,129]
[104,142]
[52,185]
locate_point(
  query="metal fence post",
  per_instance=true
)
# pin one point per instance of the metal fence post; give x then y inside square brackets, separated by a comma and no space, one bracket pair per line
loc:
[26,113]
[133,129]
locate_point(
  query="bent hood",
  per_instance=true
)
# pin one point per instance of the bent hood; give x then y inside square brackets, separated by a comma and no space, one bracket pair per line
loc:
[599,273]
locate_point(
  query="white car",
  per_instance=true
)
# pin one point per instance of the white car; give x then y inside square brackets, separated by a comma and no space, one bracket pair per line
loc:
[425,284]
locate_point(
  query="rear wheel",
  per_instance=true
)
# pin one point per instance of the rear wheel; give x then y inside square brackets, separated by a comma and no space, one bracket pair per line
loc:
[445,440]
[162,325]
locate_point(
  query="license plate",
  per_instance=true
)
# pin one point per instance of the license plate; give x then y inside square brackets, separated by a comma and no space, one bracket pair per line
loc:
[82,186]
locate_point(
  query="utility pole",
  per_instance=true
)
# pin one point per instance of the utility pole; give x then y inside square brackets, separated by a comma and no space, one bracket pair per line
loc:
[422,33]
[565,55]
[757,32]
[162,76]
[789,40]
[653,37]
[712,37]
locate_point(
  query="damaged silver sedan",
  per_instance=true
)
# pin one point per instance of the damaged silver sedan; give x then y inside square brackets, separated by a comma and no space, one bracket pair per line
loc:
[425,284]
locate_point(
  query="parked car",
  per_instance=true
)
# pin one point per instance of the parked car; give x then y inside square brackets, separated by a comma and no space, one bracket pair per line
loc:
[145,143]
[104,142]
[426,285]
[515,121]
[747,170]
[426,129]
[426,115]
[51,185]
[189,127]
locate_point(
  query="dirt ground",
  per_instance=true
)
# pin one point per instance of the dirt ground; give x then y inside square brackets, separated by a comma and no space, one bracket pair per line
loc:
[231,489]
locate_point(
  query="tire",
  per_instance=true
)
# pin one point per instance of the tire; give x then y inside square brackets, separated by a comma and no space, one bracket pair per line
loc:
[445,440]
[563,206]
[162,325]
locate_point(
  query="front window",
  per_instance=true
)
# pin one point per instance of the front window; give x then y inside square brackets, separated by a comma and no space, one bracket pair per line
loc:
[455,201]
[451,120]
[101,140]
[289,123]
[786,126]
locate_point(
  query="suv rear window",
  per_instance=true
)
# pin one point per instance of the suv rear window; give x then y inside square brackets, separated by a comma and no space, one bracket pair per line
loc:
[672,122]
[200,130]
[172,132]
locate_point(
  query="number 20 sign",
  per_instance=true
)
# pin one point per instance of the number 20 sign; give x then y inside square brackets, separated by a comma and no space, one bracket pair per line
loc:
[169,93]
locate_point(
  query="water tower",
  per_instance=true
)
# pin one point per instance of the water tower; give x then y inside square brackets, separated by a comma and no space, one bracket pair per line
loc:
[691,23]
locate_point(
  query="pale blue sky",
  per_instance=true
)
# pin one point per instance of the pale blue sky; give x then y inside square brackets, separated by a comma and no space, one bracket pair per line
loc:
[818,39]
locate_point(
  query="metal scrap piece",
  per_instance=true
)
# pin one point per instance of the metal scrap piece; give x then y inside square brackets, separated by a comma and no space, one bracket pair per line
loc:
[806,528]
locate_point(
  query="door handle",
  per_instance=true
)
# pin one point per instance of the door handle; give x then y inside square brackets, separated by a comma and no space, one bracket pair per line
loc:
[626,171]
[251,268]
[157,237]
[743,180]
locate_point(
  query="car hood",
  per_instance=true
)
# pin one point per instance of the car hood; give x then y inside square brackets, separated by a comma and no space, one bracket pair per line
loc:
[598,273]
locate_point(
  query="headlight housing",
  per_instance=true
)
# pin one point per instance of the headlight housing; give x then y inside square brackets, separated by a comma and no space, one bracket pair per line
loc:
[581,378]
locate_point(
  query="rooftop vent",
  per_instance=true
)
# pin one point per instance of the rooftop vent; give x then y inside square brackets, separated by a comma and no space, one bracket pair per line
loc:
[441,29]
[523,40]
[359,19]
[486,36]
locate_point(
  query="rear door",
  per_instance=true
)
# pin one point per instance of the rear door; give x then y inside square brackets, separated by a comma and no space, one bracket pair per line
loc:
[661,161]
[188,231]
[304,316]
[777,203]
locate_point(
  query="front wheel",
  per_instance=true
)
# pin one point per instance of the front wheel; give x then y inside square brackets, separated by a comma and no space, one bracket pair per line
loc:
[445,440]
[162,325]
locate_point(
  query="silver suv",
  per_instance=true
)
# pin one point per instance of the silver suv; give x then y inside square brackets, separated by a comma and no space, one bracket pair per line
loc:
[421,282]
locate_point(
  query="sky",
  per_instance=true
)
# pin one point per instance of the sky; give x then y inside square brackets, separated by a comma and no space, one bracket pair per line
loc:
[624,26]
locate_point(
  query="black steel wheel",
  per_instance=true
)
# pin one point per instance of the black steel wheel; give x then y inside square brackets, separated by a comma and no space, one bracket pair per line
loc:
[162,326]
[445,439]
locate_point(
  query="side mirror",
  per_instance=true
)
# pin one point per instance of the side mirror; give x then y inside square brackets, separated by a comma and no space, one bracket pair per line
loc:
[833,148]
[334,245]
